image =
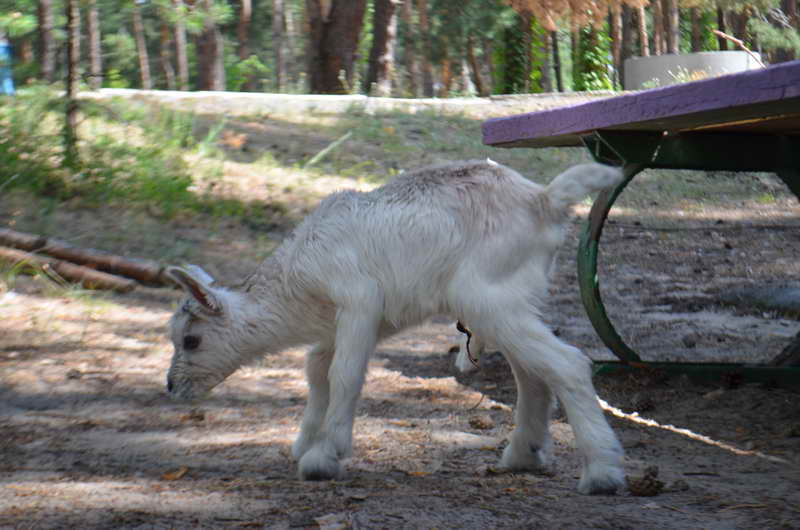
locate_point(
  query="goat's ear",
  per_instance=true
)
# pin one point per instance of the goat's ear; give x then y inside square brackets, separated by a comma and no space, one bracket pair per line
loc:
[197,283]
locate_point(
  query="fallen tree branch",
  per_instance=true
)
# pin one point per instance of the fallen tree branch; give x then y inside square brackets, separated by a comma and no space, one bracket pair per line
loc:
[144,271]
[741,44]
[28,263]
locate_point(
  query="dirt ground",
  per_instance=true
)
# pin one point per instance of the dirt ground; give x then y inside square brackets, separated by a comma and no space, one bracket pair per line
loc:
[88,438]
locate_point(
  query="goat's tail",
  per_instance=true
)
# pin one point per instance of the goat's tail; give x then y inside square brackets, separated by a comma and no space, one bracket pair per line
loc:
[577,182]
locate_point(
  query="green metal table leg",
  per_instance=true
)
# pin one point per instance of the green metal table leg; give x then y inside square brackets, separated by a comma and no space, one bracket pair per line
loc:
[587,268]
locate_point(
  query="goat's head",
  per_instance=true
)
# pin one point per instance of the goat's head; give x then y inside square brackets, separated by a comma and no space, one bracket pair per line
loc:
[208,344]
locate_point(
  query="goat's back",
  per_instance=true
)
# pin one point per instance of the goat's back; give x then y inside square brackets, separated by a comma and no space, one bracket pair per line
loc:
[425,231]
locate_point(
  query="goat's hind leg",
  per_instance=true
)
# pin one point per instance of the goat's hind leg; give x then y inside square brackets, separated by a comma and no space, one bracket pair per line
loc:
[318,362]
[539,354]
[530,446]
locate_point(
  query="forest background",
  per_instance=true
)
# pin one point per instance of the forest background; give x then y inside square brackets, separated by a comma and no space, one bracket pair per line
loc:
[416,48]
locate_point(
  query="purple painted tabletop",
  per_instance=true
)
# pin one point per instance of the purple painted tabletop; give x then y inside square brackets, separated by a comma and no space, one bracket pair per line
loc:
[760,101]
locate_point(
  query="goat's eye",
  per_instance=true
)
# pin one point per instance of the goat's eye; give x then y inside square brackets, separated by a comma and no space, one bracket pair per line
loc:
[191,342]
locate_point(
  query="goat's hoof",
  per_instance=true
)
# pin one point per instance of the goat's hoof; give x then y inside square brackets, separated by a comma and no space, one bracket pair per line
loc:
[300,447]
[522,457]
[605,480]
[316,464]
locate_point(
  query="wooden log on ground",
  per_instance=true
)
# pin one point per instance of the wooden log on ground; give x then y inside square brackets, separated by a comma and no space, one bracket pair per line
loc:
[144,271]
[88,278]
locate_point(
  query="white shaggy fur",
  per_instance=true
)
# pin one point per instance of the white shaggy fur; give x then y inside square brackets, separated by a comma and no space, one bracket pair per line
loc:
[474,240]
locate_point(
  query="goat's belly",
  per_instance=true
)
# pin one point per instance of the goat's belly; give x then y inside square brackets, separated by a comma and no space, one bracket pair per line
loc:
[409,309]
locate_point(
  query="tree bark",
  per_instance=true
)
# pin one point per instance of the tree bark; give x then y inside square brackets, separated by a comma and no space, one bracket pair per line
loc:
[672,26]
[739,24]
[658,28]
[70,135]
[526,29]
[334,32]
[475,68]
[616,43]
[210,54]
[546,82]
[278,23]
[424,35]
[144,271]
[181,57]
[380,71]
[165,57]
[141,48]
[722,26]
[95,53]
[489,66]
[243,28]
[86,277]
[243,35]
[628,31]
[447,76]
[556,61]
[697,30]
[410,48]
[644,38]
[47,49]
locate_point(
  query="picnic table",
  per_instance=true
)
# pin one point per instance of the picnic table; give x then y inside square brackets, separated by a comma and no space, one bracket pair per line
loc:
[748,121]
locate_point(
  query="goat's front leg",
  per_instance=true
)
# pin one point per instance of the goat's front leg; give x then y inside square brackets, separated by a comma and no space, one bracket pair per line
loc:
[318,363]
[356,336]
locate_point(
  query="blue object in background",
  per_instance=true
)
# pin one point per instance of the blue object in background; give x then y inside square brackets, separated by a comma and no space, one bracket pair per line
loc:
[6,81]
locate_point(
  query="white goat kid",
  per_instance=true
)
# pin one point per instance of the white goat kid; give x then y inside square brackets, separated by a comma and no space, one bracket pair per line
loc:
[474,240]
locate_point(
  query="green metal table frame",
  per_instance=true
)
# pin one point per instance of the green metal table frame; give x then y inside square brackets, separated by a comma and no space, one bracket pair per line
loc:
[635,151]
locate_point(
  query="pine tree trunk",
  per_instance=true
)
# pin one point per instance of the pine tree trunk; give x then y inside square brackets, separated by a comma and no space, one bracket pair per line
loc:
[410,47]
[165,57]
[141,48]
[70,135]
[556,61]
[546,81]
[380,71]
[658,28]
[47,49]
[467,86]
[334,32]
[180,46]
[574,42]
[243,35]
[697,29]
[243,29]
[722,26]
[644,37]
[739,24]
[488,58]
[424,35]
[447,76]
[672,22]
[526,30]
[210,55]
[616,43]
[295,62]
[628,31]
[95,53]
[278,23]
